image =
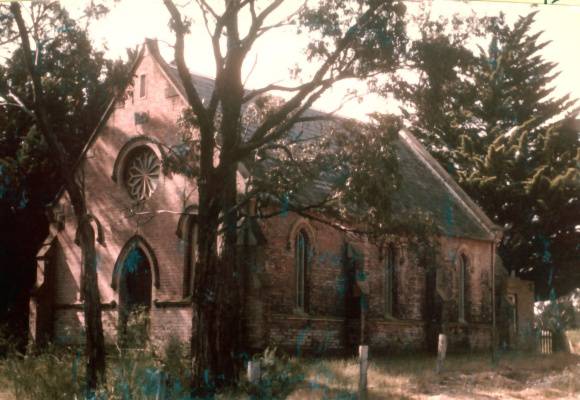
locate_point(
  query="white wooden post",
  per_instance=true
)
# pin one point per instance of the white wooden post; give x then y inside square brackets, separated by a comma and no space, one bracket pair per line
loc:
[253,371]
[441,352]
[363,357]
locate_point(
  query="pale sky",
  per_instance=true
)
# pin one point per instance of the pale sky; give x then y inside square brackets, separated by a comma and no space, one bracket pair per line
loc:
[131,21]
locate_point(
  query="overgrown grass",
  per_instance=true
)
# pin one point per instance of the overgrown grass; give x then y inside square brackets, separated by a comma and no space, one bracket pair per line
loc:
[58,373]
[134,374]
[145,374]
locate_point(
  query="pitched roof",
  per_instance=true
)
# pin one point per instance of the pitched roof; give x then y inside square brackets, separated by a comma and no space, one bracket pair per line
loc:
[427,186]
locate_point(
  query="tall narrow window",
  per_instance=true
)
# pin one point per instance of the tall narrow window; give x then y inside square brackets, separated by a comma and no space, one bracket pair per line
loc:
[462,301]
[301,248]
[142,86]
[190,256]
[390,288]
[135,285]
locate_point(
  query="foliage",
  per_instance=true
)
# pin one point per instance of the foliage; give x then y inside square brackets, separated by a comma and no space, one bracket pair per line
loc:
[558,314]
[493,116]
[78,83]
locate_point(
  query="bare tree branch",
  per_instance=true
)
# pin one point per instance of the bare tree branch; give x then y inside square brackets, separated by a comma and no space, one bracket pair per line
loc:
[206,6]
[318,81]
[274,88]
[217,52]
[257,23]
[192,94]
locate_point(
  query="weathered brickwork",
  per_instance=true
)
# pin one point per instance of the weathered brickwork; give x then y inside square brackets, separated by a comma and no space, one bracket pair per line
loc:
[396,336]
[520,313]
[341,268]
[327,289]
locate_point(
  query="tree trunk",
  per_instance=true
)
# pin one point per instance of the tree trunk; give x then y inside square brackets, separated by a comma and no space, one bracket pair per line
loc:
[216,330]
[229,290]
[95,343]
[216,347]
[95,346]
[203,336]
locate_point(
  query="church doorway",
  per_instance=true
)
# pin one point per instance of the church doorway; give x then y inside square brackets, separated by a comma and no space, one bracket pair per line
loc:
[134,298]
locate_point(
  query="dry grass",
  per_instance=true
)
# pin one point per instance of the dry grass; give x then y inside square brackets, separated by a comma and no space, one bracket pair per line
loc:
[515,376]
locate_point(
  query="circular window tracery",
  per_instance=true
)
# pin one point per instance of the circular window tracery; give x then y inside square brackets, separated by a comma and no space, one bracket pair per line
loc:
[141,175]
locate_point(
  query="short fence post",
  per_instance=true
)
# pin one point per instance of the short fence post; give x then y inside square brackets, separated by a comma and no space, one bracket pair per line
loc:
[253,371]
[363,357]
[441,352]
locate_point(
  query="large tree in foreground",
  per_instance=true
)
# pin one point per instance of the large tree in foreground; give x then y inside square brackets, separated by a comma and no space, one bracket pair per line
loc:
[348,39]
[54,88]
[492,118]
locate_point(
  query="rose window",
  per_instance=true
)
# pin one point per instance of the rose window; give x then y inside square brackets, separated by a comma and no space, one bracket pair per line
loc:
[142,173]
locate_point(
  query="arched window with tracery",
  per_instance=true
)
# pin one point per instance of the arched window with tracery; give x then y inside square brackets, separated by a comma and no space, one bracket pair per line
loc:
[301,270]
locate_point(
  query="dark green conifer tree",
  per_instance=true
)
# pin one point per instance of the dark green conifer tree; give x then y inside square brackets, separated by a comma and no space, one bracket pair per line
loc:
[493,119]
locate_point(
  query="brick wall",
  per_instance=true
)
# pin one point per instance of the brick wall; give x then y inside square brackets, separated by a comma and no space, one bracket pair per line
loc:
[523,337]
[285,326]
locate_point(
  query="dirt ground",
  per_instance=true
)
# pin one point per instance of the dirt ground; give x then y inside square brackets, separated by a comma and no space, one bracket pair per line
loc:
[505,383]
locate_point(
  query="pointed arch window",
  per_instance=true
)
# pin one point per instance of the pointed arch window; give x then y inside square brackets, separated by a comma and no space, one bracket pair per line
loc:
[301,270]
[135,246]
[390,284]
[463,302]
[133,278]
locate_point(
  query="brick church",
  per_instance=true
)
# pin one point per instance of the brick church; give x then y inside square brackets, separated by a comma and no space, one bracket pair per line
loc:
[299,294]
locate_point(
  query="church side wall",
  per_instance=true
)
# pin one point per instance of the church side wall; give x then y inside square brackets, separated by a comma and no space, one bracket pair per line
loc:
[475,332]
[324,328]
